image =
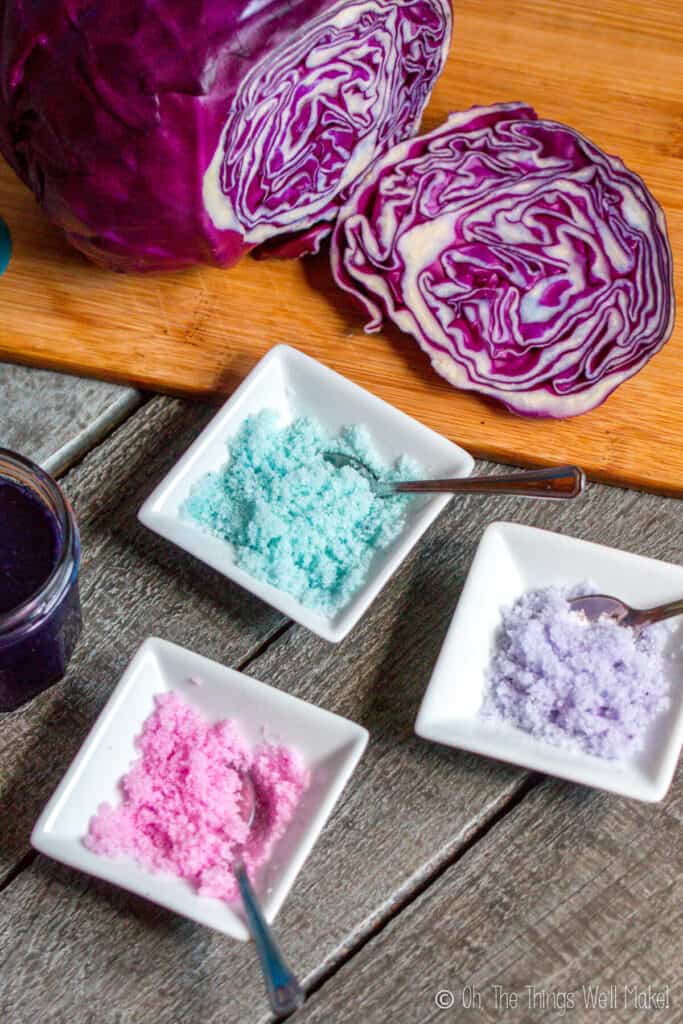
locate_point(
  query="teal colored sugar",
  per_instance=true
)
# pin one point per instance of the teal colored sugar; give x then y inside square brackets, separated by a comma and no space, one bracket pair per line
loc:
[5,246]
[294,520]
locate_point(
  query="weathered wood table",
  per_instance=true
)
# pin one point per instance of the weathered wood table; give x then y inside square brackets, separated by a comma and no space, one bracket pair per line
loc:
[445,887]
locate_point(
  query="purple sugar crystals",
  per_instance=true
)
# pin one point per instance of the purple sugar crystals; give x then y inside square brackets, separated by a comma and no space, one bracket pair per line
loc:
[585,686]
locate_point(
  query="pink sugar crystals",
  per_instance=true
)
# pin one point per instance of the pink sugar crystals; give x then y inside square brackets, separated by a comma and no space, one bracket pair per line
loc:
[182,800]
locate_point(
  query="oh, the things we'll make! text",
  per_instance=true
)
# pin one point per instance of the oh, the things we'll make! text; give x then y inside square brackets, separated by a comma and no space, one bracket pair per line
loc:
[537,999]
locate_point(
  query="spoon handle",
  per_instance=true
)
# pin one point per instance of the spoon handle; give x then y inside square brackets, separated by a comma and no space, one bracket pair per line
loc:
[560,482]
[646,617]
[284,991]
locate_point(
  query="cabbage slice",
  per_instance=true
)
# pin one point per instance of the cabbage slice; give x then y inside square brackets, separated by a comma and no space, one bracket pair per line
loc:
[528,264]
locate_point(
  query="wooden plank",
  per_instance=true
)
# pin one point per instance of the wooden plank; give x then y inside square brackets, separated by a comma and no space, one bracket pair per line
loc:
[573,889]
[133,585]
[408,811]
[201,331]
[54,418]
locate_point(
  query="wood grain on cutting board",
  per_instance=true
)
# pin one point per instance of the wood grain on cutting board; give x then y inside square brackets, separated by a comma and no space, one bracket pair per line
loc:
[611,68]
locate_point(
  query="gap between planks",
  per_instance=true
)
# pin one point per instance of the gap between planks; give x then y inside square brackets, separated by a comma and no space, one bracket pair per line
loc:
[103,426]
[14,872]
[268,641]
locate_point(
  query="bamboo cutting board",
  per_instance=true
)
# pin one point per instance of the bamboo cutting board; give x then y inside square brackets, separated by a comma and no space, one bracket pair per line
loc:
[611,68]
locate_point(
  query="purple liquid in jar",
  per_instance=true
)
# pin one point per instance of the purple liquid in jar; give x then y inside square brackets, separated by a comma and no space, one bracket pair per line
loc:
[29,544]
[40,613]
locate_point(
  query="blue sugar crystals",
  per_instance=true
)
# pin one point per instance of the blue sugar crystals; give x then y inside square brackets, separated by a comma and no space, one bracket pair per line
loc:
[294,520]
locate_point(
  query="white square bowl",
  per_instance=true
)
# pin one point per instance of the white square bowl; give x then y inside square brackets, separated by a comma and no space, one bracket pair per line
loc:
[329,745]
[295,385]
[509,560]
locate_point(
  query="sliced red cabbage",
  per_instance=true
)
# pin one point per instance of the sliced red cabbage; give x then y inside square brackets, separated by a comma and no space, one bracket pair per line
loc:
[160,133]
[528,264]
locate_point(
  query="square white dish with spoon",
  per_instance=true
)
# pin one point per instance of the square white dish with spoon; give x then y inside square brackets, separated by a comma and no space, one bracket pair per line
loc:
[510,560]
[330,747]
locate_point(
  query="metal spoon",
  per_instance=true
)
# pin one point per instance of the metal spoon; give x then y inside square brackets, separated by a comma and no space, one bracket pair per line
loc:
[561,482]
[284,991]
[594,606]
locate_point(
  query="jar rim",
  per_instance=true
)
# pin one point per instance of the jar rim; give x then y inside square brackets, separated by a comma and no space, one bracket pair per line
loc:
[41,602]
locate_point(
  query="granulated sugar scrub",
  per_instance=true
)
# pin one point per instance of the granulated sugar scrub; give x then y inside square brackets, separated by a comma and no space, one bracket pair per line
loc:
[294,520]
[589,686]
[182,801]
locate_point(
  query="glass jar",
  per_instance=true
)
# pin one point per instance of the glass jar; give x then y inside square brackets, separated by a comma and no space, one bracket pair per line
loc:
[39,633]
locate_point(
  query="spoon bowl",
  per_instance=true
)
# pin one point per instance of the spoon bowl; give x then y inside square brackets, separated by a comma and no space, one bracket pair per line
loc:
[598,606]
[248,808]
